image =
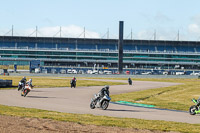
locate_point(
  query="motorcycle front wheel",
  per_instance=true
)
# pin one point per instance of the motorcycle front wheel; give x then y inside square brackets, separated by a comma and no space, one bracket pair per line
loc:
[193,109]
[19,87]
[25,92]
[104,104]
[92,105]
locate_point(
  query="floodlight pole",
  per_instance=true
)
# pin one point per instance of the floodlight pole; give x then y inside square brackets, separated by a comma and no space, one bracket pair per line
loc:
[36,31]
[84,32]
[108,34]
[60,31]
[178,36]
[131,34]
[120,47]
[12,30]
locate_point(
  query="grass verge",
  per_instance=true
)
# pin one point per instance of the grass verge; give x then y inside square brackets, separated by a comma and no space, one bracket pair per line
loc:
[46,82]
[174,97]
[100,120]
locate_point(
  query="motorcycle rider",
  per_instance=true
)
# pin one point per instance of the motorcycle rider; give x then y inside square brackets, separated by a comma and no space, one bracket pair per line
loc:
[23,82]
[29,83]
[129,81]
[198,101]
[103,92]
[73,81]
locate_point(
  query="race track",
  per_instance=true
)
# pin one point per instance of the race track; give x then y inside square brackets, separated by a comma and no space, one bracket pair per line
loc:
[77,100]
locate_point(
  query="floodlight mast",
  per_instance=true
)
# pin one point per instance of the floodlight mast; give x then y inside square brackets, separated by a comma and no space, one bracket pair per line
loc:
[120,47]
[12,30]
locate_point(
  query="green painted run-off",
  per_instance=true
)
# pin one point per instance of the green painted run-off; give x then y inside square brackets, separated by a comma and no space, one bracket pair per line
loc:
[136,104]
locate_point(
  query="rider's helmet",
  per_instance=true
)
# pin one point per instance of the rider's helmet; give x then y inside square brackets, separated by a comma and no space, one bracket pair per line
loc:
[107,87]
[24,77]
[30,80]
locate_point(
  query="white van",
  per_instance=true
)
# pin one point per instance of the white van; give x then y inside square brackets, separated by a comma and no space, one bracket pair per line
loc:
[107,72]
[180,73]
[69,71]
[146,73]
[94,72]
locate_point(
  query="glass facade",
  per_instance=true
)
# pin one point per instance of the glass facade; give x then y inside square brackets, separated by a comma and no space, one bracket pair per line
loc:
[87,52]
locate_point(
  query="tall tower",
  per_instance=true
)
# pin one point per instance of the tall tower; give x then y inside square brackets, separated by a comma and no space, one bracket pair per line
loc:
[120,47]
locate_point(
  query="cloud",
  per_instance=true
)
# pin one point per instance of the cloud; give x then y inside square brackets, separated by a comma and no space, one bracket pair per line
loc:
[144,34]
[194,28]
[76,31]
[161,34]
[196,19]
[161,18]
[66,31]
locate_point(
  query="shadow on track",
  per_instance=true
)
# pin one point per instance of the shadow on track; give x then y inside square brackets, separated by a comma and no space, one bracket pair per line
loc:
[38,91]
[120,110]
[39,97]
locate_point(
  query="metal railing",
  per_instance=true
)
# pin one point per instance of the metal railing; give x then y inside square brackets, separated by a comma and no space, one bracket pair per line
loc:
[97,50]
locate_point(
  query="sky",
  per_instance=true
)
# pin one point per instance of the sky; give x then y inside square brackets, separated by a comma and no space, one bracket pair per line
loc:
[143,19]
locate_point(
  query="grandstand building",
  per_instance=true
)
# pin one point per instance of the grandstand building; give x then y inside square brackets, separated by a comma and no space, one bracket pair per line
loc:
[82,52]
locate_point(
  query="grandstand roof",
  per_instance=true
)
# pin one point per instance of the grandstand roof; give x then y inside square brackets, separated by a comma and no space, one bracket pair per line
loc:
[92,40]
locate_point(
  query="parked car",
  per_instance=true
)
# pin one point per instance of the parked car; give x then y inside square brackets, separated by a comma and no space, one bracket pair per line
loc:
[63,71]
[74,71]
[80,72]
[165,73]
[69,71]
[107,72]
[180,73]
[94,72]
[195,73]
[146,73]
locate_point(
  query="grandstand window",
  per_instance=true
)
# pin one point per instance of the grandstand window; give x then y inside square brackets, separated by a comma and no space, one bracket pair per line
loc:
[113,54]
[79,50]
[104,54]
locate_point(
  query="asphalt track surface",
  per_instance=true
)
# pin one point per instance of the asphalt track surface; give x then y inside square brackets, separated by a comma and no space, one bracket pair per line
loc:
[77,100]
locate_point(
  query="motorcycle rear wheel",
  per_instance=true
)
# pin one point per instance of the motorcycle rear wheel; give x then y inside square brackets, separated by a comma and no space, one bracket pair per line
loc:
[193,109]
[104,104]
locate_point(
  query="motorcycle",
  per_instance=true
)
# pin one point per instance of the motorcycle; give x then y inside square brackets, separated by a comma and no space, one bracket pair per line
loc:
[130,82]
[26,90]
[73,83]
[98,102]
[20,86]
[194,109]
